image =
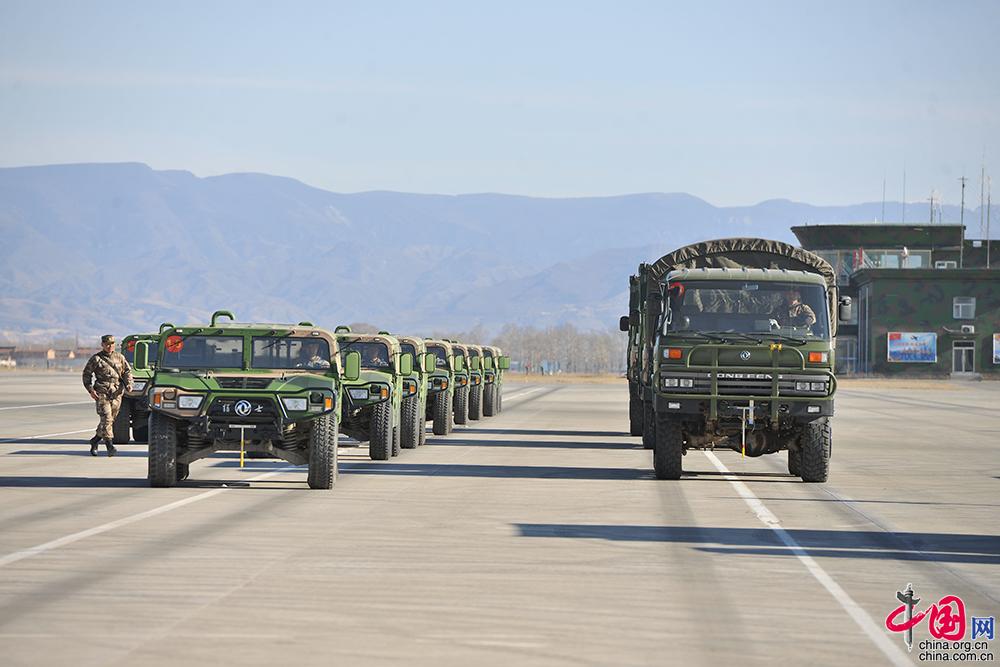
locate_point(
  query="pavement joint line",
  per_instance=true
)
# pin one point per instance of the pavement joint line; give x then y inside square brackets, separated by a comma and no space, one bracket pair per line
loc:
[118,523]
[895,654]
[43,435]
[44,405]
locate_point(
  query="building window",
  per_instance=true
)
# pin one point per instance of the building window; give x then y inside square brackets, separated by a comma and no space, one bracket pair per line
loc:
[945,264]
[964,307]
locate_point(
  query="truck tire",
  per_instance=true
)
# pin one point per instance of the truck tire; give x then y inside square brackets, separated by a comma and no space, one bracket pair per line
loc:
[395,440]
[140,429]
[422,423]
[648,425]
[462,405]
[410,436]
[817,443]
[183,470]
[442,413]
[489,400]
[669,448]
[794,462]
[380,443]
[635,415]
[476,402]
[323,453]
[162,451]
[122,423]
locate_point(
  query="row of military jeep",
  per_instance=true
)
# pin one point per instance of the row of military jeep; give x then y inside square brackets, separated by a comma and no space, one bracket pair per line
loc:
[289,390]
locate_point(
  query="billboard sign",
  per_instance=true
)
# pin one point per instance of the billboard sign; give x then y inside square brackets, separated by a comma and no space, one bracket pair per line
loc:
[996,348]
[913,347]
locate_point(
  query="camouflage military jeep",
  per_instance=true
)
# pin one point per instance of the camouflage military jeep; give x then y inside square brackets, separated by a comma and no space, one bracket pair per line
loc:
[373,402]
[413,432]
[461,406]
[269,388]
[134,412]
[475,360]
[441,386]
[494,365]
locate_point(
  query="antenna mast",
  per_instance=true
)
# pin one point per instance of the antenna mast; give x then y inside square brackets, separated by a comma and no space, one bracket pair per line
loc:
[961,232]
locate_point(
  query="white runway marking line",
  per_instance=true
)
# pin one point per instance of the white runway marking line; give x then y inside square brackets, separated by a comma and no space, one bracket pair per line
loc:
[895,654]
[44,405]
[103,528]
[524,393]
[43,435]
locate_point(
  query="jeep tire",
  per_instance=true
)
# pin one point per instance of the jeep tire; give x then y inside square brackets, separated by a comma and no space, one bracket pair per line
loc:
[410,436]
[816,443]
[635,415]
[396,449]
[380,442]
[323,438]
[476,402]
[489,400]
[122,423]
[162,458]
[669,448]
[442,413]
[648,425]
[794,462]
[462,405]
[140,430]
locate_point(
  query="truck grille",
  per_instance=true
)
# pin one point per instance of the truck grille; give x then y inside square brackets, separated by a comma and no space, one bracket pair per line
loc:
[243,383]
[242,410]
[753,383]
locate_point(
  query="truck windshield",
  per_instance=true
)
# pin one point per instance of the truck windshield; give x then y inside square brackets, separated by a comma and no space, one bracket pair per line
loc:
[761,308]
[440,356]
[203,352]
[278,352]
[374,355]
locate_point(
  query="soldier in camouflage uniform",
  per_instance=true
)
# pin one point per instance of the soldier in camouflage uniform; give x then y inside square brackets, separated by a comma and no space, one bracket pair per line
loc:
[106,377]
[794,313]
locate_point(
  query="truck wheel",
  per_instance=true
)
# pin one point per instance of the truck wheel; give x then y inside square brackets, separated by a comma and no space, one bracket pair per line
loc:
[162,450]
[323,453]
[794,462]
[395,440]
[489,400]
[648,425]
[380,443]
[122,423]
[140,429]
[476,403]
[410,437]
[442,413]
[183,470]
[817,442]
[462,405]
[669,448]
[635,415]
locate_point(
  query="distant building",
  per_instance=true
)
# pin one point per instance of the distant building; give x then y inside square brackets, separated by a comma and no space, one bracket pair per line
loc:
[925,301]
[7,357]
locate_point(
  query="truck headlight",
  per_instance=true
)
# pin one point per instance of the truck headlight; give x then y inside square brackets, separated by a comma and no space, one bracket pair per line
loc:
[295,404]
[670,382]
[360,393]
[801,386]
[188,402]
[139,386]
[818,386]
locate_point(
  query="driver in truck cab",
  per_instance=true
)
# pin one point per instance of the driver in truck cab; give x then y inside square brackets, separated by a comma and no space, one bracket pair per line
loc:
[792,312]
[310,357]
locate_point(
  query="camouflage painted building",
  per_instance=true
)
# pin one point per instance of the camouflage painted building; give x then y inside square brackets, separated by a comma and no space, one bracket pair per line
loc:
[925,301]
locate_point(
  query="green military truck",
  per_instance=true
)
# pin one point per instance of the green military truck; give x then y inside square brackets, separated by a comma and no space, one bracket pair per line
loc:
[632,325]
[415,386]
[494,365]
[441,385]
[274,389]
[372,407]
[132,422]
[742,338]
[462,380]
[475,360]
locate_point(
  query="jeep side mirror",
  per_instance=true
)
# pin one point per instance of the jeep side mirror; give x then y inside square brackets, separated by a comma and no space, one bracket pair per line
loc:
[406,363]
[352,366]
[430,362]
[474,363]
[846,313]
[623,323]
[504,363]
[222,313]
[459,363]
[488,363]
[141,359]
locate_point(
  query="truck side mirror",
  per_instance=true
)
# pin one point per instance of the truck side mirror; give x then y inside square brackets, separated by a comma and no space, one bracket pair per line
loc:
[488,363]
[504,363]
[352,366]
[141,359]
[846,313]
[459,363]
[623,323]
[474,363]
[406,364]
[430,362]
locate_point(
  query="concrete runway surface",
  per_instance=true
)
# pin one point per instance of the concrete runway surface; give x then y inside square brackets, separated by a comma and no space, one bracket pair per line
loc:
[538,537]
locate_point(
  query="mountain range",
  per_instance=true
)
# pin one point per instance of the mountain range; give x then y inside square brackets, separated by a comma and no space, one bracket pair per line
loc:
[93,248]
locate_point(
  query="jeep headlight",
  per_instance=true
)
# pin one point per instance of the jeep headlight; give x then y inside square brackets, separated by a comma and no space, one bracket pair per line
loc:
[669,382]
[295,404]
[818,386]
[188,402]
[139,385]
[686,382]
[360,393]
[801,386]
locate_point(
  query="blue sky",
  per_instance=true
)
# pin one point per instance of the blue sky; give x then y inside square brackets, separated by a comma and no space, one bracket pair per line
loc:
[732,102]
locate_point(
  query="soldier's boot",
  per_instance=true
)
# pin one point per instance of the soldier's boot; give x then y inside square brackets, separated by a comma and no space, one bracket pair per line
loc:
[94,443]
[111,448]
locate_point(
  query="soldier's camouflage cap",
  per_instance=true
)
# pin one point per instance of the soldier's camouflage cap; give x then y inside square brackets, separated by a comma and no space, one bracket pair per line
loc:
[107,338]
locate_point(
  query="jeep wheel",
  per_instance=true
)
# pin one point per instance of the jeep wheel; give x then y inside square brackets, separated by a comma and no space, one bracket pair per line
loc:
[669,448]
[410,436]
[817,443]
[323,453]
[162,450]
[489,400]
[442,413]
[140,429]
[648,425]
[476,402]
[395,440]
[380,443]
[462,405]
[794,462]
[123,420]
[635,415]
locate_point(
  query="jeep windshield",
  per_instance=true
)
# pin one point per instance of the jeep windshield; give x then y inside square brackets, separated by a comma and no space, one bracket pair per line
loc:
[778,310]
[374,355]
[290,353]
[440,356]
[207,352]
[129,352]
